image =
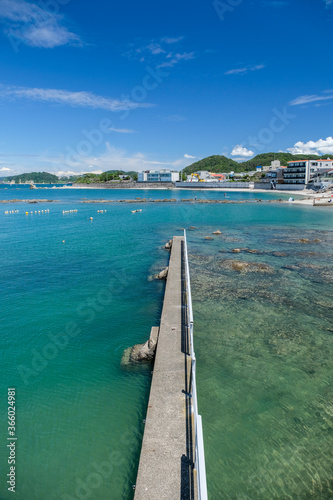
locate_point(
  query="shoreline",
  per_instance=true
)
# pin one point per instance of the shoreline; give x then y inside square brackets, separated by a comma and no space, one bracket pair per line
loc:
[310,197]
[163,188]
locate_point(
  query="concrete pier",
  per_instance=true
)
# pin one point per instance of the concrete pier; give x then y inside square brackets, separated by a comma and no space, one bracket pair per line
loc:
[166,461]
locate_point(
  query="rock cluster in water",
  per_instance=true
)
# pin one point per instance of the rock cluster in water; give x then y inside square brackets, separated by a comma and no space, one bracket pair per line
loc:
[240,265]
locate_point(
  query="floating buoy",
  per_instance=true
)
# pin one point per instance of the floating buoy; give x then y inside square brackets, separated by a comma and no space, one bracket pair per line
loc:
[63,241]
[27,213]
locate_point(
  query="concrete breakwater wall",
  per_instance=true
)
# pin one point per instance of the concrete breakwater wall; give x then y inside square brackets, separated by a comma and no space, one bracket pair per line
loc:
[223,185]
[127,185]
[166,466]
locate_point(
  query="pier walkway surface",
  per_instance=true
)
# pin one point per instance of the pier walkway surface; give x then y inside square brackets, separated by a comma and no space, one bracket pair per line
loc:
[166,463]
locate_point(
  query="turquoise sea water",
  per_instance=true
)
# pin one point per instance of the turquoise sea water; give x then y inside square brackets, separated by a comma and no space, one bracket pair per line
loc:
[76,293]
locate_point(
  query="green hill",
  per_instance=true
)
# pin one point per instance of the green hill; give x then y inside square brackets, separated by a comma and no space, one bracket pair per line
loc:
[36,177]
[110,175]
[219,163]
[267,158]
[214,163]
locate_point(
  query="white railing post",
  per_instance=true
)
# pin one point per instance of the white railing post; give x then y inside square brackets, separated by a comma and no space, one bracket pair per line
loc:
[199,452]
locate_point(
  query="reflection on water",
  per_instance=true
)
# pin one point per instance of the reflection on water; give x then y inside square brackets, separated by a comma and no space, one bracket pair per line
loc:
[264,341]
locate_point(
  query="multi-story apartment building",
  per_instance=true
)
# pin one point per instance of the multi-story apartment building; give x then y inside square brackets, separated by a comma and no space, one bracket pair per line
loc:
[158,176]
[302,171]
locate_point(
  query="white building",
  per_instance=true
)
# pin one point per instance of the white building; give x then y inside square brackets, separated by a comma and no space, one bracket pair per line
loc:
[158,176]
[275,164]
[323,180]
[303,171]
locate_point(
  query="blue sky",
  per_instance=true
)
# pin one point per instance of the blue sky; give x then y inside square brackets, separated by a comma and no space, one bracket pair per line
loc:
[137,85]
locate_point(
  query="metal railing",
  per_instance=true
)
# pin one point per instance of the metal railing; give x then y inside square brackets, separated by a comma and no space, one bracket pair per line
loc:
[199,452]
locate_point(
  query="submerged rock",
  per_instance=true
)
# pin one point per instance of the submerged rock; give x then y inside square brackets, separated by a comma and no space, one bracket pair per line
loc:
[303,240]
[241,265]
[307,240]
[249,250]
[208,238]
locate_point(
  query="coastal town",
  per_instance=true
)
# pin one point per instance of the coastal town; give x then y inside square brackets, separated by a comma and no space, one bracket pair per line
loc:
[311,180]
[297,175]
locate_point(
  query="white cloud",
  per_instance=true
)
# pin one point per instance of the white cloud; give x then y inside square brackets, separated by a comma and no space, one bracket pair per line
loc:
[320,147]
[175,118]
[308,99]
[68,173]
[158,51]
[155,48]
[275,3]
[245,69]
[170,40]
[5,169]
[34,26]
[122,130]
[115,158]
[77,99]
[112,158]
[174,59]
[239,150]
[189,156]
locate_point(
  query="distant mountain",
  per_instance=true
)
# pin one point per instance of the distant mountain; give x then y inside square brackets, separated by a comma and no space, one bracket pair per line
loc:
[219,163]
[36,177]
[46,178]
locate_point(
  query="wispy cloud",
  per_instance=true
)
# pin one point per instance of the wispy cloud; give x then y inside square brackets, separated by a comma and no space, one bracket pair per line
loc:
[34,26]
[155,49]
[158,51]
[111,158]
[245,69]
[76,99]
[173,59]
[69,173]
[320,147]
[240,150]
[275,3]
[308,99]
[189,156]
[175,118]
[170,40]
[122,130]
[5,169]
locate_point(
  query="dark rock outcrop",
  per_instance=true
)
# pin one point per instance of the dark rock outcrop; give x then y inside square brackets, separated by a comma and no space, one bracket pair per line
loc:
[142,353]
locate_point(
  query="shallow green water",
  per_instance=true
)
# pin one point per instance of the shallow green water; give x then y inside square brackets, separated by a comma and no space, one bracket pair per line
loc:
[263,344]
